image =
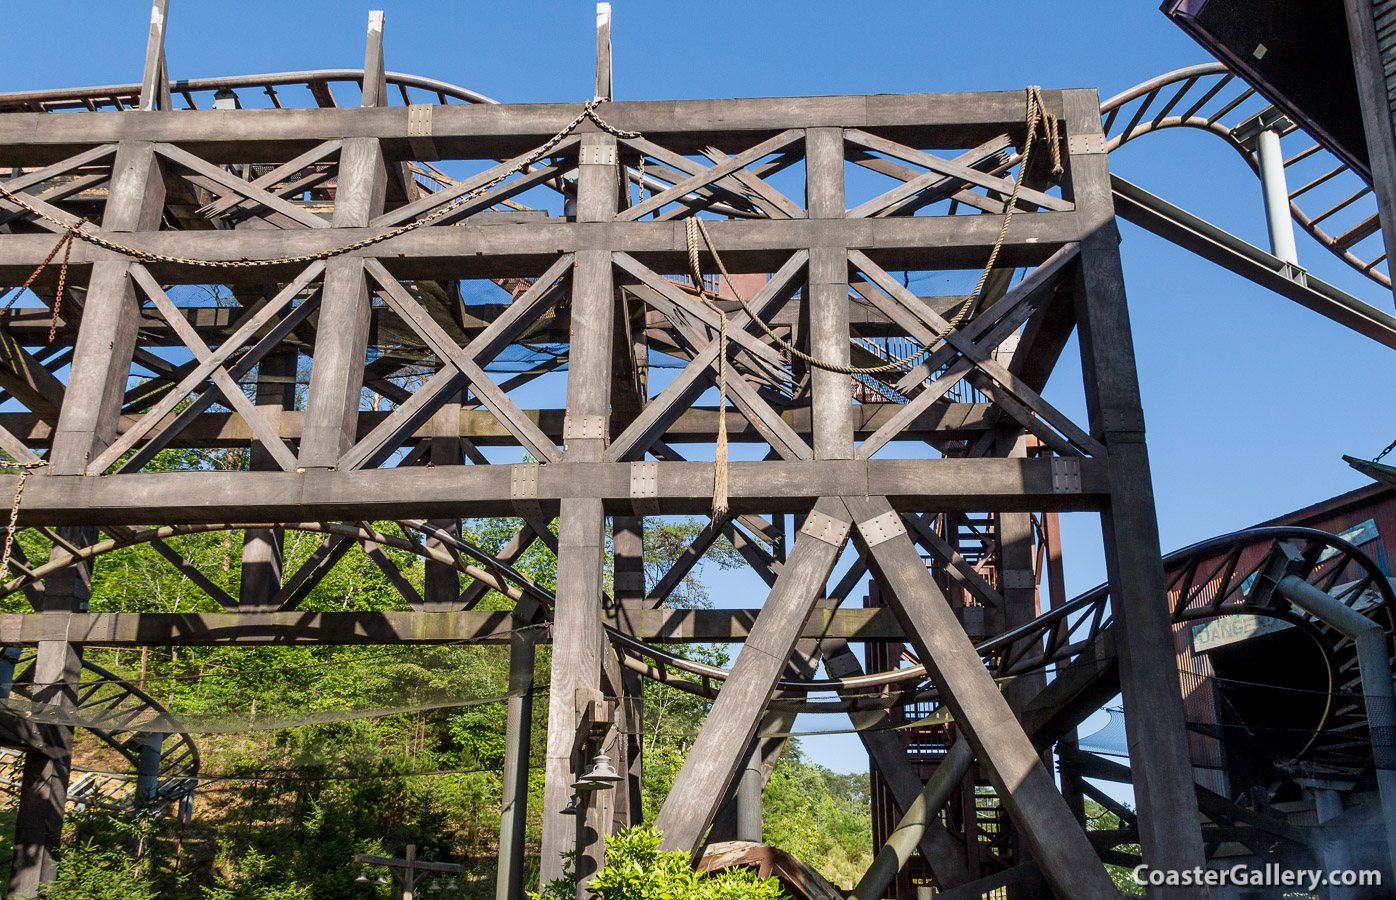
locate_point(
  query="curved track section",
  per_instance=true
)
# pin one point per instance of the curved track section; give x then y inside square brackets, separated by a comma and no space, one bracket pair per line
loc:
[120,715]
[1324,191]
[1206,581]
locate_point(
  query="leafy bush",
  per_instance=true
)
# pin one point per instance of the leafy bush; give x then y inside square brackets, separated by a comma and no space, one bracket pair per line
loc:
[636,869]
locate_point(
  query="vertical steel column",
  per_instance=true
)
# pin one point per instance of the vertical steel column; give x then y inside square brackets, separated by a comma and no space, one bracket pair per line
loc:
[1170,827]
[517,743]
[1276,195]
[577,630]
[148,768]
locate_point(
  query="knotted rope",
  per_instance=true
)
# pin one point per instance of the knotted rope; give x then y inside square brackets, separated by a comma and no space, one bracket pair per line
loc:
[1036,114]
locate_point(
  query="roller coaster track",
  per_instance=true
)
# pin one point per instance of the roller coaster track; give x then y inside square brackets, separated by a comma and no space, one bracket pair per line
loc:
[1211,98]
[120,715]
[1205,581]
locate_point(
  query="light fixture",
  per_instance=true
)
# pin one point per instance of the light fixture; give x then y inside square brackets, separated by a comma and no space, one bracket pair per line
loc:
[571,808]
[382,879]
[452,886]
[434,887]
[363,877]
[602,776]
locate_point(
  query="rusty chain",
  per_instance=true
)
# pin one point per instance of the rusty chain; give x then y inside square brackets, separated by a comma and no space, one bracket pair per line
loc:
[588,112]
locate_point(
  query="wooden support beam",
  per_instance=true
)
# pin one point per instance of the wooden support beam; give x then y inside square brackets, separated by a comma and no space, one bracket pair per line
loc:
[1023,784]
[732,722]
[107,339]
[336,377]
[155,80]
[1169,825]
[253,629]
[523,250]
[578,642]
[683,488]
[491,130]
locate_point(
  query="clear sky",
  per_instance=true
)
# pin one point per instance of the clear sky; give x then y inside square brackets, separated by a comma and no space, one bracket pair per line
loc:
[1250,399]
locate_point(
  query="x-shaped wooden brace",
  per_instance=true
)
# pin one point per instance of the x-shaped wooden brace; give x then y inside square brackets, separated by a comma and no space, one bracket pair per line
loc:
[212,367]
[695,378]
[272,181]
[944,174]
[745,189]
[20,183]
[989,156]
[535,176]
[747,184]
[968,351]
[244,189]
[459,365]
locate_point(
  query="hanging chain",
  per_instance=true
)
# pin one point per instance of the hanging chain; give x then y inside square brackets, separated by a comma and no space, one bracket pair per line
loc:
[65,243]
[14,513]
[588,112]
[1389,447]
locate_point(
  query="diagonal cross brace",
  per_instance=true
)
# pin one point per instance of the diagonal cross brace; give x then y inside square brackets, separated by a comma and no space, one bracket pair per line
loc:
[1024,785]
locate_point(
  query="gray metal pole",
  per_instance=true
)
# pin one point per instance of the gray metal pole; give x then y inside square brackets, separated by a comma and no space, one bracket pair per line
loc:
[1374,668]
[749,790]
[1276,194]
[901,843]
[518,728]
[148,768]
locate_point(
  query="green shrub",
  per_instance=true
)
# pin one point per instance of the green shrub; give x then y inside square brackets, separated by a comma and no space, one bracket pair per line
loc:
[636,869]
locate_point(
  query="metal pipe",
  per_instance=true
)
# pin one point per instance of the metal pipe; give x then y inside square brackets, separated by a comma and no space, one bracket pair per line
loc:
[749,790]
[1374,668]
[903,840]
[148,768]
[1276,194]
[518,728]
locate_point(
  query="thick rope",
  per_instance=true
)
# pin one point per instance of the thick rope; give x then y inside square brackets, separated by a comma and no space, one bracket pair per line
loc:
[720,484]
[588,112]
[1036,113]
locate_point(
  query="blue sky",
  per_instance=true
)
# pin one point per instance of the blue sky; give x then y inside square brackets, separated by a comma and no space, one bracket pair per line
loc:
[1250,400]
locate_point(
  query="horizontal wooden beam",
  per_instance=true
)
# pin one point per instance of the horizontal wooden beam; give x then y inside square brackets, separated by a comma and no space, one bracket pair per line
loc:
[682,488]
[525,250]
[949,421]
[498,131]
[673,626]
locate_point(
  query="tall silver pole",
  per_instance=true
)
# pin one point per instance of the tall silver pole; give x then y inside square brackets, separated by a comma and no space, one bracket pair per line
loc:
[1276,193]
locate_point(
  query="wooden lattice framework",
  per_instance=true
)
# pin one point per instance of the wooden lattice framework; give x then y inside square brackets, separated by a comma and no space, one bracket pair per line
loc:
[597,281]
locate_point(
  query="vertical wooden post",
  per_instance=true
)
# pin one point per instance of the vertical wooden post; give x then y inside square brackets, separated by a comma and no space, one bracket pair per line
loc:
[43,791]
[1017,584]
[1374,96]
[1169,826]
[155,80]
[831,392]
[337,374]
[107,338]
[262,547]
[577,630]
[441,588]
[604,83]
